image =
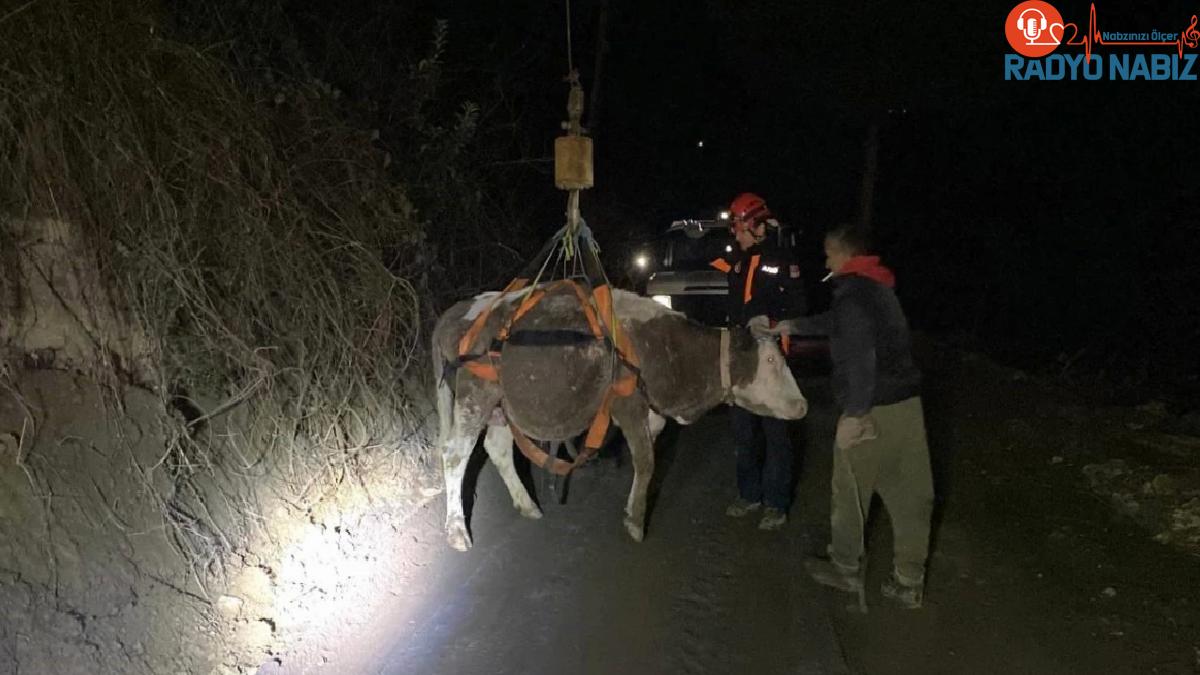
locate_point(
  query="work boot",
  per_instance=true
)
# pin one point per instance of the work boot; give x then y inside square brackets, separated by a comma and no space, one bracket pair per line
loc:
[741,507]
[826,573]
[773,519]
[909,597]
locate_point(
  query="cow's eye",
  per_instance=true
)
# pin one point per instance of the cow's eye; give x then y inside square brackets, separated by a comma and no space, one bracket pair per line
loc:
[770,359]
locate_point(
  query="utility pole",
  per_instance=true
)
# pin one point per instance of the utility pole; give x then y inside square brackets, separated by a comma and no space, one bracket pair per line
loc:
[866,195]
[598,69]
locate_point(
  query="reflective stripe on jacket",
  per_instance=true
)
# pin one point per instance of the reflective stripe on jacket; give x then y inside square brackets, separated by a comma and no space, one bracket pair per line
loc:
[762,281]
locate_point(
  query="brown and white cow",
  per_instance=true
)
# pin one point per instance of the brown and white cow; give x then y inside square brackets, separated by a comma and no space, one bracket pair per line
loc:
[551,388]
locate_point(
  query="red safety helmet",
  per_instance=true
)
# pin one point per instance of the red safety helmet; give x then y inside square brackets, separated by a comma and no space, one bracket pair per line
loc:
[748,210]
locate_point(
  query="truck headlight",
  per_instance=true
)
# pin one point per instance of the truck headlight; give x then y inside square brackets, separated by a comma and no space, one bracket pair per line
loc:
[641,261]
[664,300]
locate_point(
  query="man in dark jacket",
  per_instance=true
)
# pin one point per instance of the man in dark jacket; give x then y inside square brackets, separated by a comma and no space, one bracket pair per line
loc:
[880,443]
[764,285]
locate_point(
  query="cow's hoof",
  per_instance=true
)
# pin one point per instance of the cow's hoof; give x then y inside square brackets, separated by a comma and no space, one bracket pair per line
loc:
[458,538]
[635,531]
[531,512]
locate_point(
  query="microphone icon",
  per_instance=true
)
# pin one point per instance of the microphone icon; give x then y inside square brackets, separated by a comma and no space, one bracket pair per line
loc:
[1032,29]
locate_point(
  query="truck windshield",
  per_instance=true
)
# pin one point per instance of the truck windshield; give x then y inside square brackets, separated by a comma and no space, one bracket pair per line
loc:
[685,253]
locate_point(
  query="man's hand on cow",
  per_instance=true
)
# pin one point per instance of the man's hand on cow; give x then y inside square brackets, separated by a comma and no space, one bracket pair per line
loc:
[852,431]
[760,327]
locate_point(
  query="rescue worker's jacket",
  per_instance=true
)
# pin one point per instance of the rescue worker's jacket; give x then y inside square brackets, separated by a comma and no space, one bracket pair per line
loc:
[763,280]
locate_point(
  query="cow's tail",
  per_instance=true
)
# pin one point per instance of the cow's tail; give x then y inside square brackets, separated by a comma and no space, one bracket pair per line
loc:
[443,376]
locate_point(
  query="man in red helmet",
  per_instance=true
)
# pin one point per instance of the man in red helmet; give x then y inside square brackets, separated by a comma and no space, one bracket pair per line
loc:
[764,286]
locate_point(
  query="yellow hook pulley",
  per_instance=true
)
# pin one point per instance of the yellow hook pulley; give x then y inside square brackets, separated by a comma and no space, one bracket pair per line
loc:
[573,152]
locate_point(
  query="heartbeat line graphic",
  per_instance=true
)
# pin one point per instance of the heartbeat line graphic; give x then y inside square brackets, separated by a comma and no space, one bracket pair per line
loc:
[1190,37]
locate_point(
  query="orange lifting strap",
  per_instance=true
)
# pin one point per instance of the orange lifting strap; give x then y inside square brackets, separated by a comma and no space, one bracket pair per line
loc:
[485,371]
[625,386]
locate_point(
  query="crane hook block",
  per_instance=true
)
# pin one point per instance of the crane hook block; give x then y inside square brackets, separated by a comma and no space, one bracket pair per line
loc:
[573,163]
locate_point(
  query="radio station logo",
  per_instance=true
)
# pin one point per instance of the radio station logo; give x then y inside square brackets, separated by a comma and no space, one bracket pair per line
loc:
[1047,47]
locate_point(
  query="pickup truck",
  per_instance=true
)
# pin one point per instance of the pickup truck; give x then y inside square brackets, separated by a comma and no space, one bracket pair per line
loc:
[678,275]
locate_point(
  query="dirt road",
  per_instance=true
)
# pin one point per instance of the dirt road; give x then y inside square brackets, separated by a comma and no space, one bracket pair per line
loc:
[571,593]
[1029,573]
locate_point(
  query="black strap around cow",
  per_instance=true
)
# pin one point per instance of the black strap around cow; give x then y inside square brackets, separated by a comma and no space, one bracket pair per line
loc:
[546,337]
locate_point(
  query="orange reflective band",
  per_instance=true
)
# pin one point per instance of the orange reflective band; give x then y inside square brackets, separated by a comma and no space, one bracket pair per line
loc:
[748,292]
[720,264]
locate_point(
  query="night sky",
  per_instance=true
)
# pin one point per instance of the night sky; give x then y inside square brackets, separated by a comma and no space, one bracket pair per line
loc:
[1044,217]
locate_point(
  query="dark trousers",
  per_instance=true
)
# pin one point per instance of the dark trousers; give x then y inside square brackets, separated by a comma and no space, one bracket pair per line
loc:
[762,476]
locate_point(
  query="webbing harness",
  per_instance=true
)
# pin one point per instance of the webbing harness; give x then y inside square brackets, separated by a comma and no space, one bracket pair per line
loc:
[597,305]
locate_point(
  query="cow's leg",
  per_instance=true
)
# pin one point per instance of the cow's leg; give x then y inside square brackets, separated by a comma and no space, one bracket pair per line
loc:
[655,423]
[641,427]
[455,456]
[472,407]
[445,407]
[499,444]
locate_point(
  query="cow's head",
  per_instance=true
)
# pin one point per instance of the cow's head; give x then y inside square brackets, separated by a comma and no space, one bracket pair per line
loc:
[762,381]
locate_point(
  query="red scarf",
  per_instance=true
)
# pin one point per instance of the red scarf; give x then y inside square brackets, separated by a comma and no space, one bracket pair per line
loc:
[868,266]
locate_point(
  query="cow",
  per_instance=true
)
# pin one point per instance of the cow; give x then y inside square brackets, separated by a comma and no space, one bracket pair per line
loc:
[549,387]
